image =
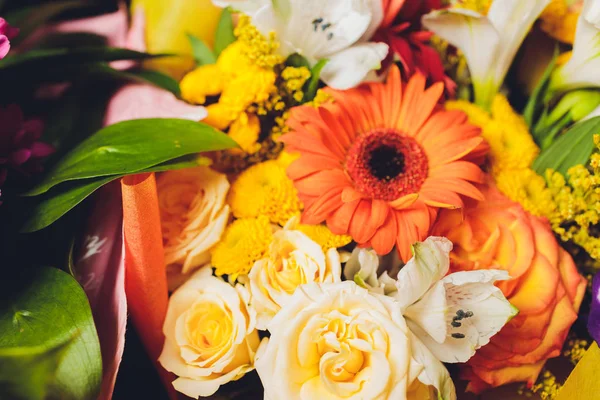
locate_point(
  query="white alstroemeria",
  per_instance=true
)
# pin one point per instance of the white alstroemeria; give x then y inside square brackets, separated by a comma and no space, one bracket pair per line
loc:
[452,315]
[335,30]
[583,68]
[362,268]
[245,6]
[489,42]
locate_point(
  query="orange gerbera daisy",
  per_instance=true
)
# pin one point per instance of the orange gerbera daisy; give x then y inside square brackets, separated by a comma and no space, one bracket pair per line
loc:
[379,161]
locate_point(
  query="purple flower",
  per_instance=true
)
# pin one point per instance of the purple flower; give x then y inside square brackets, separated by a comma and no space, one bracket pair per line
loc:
[7,32]
[594,319]
[20,148]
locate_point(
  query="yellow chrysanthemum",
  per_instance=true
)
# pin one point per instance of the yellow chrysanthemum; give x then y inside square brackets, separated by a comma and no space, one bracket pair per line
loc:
[529,189]
[559,20]
[260,50]
[207,80]
[245,241]
[245,131]
[511,144]
[323,236]
[265,190]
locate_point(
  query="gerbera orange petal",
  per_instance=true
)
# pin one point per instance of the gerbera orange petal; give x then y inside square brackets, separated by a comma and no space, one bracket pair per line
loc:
[385,237]
[322,207]
[405,201]
[339,221]
[308,164]
[459,169]
[313,184]
[456,152]
[360,229]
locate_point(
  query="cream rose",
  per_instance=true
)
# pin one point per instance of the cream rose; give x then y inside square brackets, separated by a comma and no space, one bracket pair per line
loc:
[193,215]
[339,341]
[210,335]
[293,259]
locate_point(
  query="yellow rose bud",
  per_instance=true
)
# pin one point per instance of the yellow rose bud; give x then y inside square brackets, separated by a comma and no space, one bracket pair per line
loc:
[193,215]
[168,22]
[209,335]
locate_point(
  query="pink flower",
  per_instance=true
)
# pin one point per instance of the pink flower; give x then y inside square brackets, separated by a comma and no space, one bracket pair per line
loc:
[20,148]
[7,33]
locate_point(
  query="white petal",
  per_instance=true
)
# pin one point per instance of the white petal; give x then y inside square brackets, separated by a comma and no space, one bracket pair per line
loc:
[583,68]
[349,67]
[434,373]
[363,262]
[472,293]
[430,313]
[473,33]
[430,262]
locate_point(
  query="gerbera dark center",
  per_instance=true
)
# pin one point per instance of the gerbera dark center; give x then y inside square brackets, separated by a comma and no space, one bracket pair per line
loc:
[386,162]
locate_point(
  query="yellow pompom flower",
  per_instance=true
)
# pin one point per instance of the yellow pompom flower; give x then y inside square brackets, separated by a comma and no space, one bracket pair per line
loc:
[245,131]
[511,144]
[480,6]
[528,188]
[323,236]
[245,241]
[265,190]
[207,80]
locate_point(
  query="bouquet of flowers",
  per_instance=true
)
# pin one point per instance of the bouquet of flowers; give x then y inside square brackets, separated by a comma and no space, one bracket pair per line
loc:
[300,199]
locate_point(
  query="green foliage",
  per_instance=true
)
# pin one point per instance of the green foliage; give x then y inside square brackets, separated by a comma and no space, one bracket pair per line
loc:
[535,105]
[202,53]
[132,146]
[313,83]
[49,346]
[62,199]
[224,35]
[572,148]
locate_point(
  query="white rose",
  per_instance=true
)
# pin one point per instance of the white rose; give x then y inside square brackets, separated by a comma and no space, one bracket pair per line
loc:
[339,341]
[293,259]
[210,335]
[193,214]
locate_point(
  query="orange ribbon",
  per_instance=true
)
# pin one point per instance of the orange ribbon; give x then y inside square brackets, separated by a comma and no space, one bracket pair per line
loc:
[145,272]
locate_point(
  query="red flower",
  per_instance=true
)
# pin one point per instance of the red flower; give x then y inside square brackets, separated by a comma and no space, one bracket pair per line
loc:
[20,148]
[401,29]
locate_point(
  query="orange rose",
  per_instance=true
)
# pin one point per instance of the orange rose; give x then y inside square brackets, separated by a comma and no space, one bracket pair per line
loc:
[545,286]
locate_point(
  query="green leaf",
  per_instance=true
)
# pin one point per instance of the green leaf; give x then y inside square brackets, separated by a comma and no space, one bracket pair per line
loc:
[313,84]
[37,60]
[155,78]
[536,100]
[49,346]
[202,54]
[224,35]
[70,39]
[64,198]
[132,146]
[573,148]
[30,18]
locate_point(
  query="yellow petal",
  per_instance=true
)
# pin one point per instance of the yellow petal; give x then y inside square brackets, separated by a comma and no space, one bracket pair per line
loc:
[167,23]
[206,80]
[583,384]
[245,131]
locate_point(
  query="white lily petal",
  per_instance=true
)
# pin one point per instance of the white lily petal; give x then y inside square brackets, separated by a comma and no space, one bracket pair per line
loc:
[349,67]
[434,373]
[489,43]
[377,14]
[430,312]
[429,264]
[476,310]
[583,68]
[478,39]
[364,263]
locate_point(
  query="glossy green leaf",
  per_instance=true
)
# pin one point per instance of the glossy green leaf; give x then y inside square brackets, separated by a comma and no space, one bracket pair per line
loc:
[224,35]
[313,83]
[37,60]
[202,53]
[536,100]
[64,198]
[155,78]
[71,39]
[49,346]
[30,18]
[572,148]
[132,146]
